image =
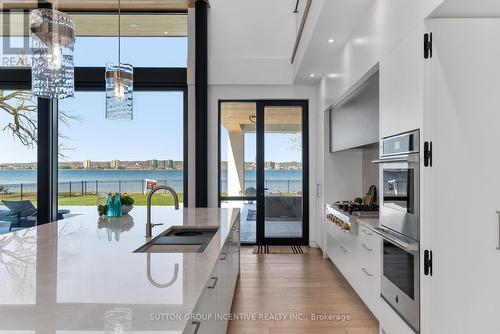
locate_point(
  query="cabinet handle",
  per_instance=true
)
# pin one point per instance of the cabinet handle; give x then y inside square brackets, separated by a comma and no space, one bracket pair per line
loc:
[197,328]
[345,250]
[498,212]
[367,248]
[223,256]
[215,283]
[366,232]
[366,272]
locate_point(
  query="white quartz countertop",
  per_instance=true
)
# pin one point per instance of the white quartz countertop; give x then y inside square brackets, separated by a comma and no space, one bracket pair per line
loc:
[80,275]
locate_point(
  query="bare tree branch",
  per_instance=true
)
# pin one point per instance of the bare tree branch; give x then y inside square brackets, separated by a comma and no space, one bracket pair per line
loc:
[22,107]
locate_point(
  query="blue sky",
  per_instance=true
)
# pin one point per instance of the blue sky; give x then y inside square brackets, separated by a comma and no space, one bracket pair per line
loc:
[157,128]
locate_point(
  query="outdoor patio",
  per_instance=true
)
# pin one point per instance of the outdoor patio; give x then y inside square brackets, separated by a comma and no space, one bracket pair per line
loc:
[279,228]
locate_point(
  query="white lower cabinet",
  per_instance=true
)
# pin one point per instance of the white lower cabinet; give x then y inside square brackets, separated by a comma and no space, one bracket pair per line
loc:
[217,297]
[369,265]
[359,259]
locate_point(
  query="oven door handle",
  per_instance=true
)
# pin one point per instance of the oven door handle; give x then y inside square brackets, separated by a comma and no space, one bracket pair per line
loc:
[400,158]
[409,247]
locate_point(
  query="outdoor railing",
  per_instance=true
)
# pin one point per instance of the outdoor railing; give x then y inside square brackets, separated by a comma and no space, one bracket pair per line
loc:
[27,191]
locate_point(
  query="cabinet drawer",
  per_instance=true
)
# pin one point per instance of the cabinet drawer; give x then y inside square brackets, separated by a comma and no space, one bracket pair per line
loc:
[329,226]
[330,246]
[366,233]
[347,239]
[369,288]
[205,309]
[339,254]
[370,254]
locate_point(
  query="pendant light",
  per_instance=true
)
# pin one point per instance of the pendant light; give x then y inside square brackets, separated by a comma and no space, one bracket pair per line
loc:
[119,85]
[53,40]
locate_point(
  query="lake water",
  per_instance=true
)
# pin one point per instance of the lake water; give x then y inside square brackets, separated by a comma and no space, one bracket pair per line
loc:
[132,180]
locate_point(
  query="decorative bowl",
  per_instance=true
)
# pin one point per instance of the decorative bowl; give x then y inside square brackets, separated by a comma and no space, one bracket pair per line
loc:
[126,209]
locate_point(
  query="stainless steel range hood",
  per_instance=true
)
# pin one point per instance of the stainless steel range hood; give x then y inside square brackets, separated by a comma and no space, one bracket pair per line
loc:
[354,121]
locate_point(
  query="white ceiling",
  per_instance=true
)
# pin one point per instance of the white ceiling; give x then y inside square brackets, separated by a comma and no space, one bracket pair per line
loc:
[468,8]
[257,29]
[337,19]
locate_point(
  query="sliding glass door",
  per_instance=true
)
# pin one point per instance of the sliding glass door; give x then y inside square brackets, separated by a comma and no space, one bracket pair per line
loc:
[263,169]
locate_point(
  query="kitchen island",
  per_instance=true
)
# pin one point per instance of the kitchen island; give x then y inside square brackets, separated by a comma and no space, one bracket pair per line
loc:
[81,275]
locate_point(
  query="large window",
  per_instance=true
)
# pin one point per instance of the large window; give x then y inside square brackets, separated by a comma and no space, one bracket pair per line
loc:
[96,156]
[99,156]
[139,51]
[18,159]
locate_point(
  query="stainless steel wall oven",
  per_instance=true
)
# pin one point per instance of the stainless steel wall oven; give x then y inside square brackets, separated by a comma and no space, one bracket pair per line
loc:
[399,224]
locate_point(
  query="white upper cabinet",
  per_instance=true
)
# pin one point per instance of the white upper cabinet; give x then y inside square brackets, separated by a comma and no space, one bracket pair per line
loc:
[401,86]
[461,191]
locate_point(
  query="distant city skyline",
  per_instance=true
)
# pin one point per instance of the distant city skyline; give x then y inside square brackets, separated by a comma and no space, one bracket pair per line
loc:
[157,128]
[145,164]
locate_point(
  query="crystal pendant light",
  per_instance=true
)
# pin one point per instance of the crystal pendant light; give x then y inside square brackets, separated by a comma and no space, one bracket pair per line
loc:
[119,85]
[53,40]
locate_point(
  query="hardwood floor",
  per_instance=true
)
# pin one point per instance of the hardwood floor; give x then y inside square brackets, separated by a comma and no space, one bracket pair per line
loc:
[275,285]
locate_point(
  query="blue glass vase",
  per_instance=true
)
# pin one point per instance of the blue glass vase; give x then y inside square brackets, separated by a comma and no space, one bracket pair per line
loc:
[117,205]
[109,205]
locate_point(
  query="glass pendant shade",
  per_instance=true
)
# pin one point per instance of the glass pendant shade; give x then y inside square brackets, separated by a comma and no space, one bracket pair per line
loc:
[53,41]
[119,91]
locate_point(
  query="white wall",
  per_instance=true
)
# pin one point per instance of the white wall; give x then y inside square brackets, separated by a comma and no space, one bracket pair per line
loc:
[250,42]
[379,31]
[370,170]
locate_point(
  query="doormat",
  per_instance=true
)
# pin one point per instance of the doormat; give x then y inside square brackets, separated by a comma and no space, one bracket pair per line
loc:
[266,249]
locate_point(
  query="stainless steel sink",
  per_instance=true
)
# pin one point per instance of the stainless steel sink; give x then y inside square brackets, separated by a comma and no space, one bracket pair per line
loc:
[180,239]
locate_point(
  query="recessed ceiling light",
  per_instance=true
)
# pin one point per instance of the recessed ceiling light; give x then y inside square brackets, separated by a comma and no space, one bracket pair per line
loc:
[333,75]
[166,32]
[312,75]
[133,25]
[359,40]
[331,40]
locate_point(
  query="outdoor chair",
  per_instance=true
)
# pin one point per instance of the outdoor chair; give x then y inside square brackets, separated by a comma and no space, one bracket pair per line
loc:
[23,214]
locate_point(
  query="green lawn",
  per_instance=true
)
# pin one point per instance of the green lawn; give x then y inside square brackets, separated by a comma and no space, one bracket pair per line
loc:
[90,200]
